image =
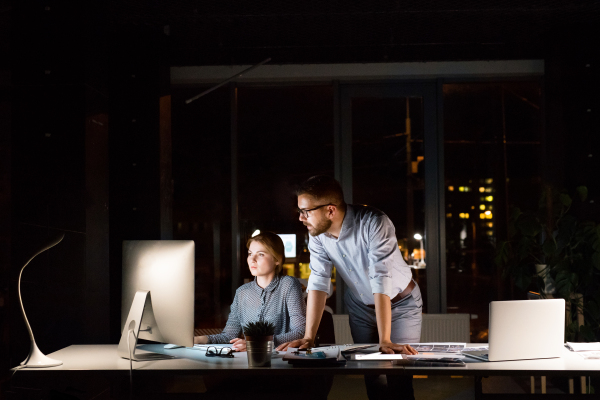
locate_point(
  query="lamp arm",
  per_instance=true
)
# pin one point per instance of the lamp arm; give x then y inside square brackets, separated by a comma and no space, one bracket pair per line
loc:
[44,248]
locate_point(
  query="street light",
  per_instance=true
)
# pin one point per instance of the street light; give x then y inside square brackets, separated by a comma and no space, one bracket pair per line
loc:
[421,263]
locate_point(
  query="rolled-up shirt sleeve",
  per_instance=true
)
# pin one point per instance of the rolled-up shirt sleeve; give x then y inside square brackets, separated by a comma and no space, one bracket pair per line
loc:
[382,245]
[320,267]
[233,328]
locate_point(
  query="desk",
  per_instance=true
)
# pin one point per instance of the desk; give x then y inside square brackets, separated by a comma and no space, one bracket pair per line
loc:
[103,359]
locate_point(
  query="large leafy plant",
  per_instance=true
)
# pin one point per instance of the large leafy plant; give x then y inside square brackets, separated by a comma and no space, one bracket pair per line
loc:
[569,247]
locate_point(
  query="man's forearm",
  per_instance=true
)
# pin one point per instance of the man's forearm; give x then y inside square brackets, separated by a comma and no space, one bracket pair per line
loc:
[200,339]
[383,312]
[314,311]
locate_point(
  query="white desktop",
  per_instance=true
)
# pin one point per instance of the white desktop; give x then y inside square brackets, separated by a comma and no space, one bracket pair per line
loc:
[158,295]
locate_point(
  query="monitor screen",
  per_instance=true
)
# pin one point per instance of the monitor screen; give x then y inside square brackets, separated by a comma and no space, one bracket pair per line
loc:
[289,243]
[165,268]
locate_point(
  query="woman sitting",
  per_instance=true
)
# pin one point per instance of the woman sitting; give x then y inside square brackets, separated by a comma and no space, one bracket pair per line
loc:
[271,297]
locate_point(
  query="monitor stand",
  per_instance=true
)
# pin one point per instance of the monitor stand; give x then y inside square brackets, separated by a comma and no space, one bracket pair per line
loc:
[140,313]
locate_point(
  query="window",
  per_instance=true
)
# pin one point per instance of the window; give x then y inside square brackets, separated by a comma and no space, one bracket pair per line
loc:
[492,145]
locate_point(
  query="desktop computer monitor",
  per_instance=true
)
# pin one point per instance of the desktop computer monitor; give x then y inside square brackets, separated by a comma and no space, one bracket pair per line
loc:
[158,293]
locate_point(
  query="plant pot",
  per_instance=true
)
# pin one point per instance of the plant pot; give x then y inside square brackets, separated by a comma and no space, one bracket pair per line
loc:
[259,350]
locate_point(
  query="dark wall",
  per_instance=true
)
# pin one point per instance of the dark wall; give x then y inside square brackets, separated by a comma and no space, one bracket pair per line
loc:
[135,89]
[572,101]
[58,177]
[54,125]
[5,195]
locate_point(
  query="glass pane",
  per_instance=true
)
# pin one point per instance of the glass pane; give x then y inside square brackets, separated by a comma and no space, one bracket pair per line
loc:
[388,167]
[201,195]
[285,136]
[492,153]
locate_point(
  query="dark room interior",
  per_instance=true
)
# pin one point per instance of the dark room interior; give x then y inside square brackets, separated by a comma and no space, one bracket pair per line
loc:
[450,116]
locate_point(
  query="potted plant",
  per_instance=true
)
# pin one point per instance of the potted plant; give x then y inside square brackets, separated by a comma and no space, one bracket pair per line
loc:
[569,247]
[259,343]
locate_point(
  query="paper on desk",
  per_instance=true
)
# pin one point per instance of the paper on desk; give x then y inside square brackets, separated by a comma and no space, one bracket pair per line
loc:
[589,355]
[380,356]
[583,346]
[377,357]
[482,347]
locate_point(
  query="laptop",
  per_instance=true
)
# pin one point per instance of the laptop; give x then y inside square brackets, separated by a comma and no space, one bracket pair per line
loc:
[524,330]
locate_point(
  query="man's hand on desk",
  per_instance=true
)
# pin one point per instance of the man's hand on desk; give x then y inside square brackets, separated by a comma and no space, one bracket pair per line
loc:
[299,343]
[238,344]
[393,348]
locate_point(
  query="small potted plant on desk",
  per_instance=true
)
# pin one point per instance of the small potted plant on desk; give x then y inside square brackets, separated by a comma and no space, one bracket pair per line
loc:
[259,343]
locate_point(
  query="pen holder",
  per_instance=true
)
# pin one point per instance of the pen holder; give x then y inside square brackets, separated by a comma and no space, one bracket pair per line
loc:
[259,350]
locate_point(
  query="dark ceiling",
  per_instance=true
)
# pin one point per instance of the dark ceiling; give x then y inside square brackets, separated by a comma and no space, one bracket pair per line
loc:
[205,32]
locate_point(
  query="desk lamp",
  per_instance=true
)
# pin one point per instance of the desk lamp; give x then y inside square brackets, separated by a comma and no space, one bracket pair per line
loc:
[37,359]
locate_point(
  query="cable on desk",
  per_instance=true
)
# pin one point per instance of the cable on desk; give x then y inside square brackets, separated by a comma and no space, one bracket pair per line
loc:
[13,374]
[16,369]
[130,363]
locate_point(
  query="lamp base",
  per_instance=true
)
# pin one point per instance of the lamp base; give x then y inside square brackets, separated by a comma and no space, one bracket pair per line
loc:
[37,359]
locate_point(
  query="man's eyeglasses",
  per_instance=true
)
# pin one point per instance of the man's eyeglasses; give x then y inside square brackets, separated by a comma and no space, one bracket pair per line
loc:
[304,213]
[212,351]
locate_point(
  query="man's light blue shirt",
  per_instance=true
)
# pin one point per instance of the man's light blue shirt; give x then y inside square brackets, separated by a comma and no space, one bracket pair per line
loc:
[366,256]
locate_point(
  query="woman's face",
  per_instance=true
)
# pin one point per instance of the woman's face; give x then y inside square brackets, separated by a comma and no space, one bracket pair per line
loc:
[260,261]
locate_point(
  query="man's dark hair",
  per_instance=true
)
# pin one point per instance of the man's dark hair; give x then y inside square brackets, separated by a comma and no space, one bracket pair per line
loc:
[322,187]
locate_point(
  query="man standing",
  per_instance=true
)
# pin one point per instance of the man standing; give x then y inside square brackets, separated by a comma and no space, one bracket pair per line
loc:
[384,303]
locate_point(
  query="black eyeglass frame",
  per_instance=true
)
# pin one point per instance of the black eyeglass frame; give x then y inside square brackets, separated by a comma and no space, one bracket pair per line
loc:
[218,352]
[305,212]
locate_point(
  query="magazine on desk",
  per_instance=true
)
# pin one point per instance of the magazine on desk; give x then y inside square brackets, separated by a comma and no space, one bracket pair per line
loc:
[442,353]
[431,352]
[454,348]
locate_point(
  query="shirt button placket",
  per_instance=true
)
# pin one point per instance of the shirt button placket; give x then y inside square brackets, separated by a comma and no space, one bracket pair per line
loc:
[262,307]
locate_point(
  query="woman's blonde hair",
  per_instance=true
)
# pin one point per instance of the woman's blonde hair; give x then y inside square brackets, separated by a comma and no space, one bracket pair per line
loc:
[274,245]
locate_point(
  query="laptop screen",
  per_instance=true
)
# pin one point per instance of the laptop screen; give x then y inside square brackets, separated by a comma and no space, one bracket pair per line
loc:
[524,329]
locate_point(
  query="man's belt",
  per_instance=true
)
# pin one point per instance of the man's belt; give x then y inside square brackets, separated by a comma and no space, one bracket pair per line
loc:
[400,295]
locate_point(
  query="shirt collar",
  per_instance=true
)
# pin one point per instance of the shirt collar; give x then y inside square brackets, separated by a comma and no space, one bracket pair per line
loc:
[274,283]
[347,223]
